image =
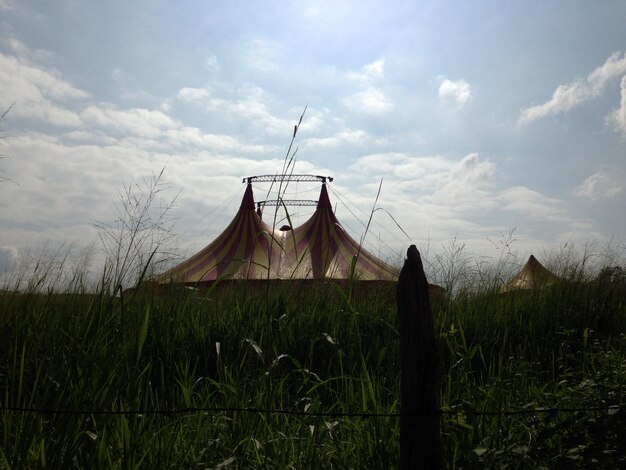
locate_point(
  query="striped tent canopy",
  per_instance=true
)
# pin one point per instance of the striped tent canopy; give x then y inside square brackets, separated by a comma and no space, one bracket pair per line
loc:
[249,248]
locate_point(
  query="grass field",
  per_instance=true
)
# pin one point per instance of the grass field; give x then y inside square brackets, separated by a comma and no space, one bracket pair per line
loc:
[326,351]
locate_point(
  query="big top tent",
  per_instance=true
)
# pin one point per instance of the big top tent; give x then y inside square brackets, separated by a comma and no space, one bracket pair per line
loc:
[249,248]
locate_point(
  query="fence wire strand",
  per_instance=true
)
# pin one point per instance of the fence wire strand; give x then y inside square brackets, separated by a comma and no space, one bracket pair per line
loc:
[314,414]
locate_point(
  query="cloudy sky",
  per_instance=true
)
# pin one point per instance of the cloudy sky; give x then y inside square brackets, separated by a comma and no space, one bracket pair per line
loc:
[480,117]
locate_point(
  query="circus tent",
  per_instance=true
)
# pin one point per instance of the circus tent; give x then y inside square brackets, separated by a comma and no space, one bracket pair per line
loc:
[532,275]
[249,248]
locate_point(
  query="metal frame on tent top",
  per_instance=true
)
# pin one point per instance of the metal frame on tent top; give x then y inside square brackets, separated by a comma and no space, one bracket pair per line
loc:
[287,202]
[283,202]
[279,178]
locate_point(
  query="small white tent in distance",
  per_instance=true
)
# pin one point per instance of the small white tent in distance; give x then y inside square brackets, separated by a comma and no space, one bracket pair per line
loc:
[533,275]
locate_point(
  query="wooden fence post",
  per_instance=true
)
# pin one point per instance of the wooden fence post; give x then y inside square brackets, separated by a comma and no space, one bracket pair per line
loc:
[420,445]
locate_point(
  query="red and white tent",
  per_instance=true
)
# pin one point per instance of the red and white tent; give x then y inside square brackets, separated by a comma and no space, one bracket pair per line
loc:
[249,248]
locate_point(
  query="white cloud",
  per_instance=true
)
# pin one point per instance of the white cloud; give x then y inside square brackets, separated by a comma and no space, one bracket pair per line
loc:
[532,204]
[93,137]
[373,71]
[193,94]
[253,107]
[249,104]
[467,185]
[17,47]
[437,181]
[459,91]
[24,74]
[370,101]
[613,67]
[376,69]
[136,121]
[429,171]
[600,185]
[433,175]
[65,184]
[568,96]
[618,117]
[37,92]
[349,136]
[462,197]
[44,110]
[433,198]
[313,121]
[193,136]
[564,98]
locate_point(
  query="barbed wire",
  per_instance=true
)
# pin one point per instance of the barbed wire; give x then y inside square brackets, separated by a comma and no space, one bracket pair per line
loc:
[327,414]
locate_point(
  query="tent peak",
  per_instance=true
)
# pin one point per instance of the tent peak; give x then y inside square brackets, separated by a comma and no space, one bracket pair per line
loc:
[324,201]
[248,198]
[532,275]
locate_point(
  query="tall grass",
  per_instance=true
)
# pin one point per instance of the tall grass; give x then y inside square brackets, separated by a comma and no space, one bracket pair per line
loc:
[306,349]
